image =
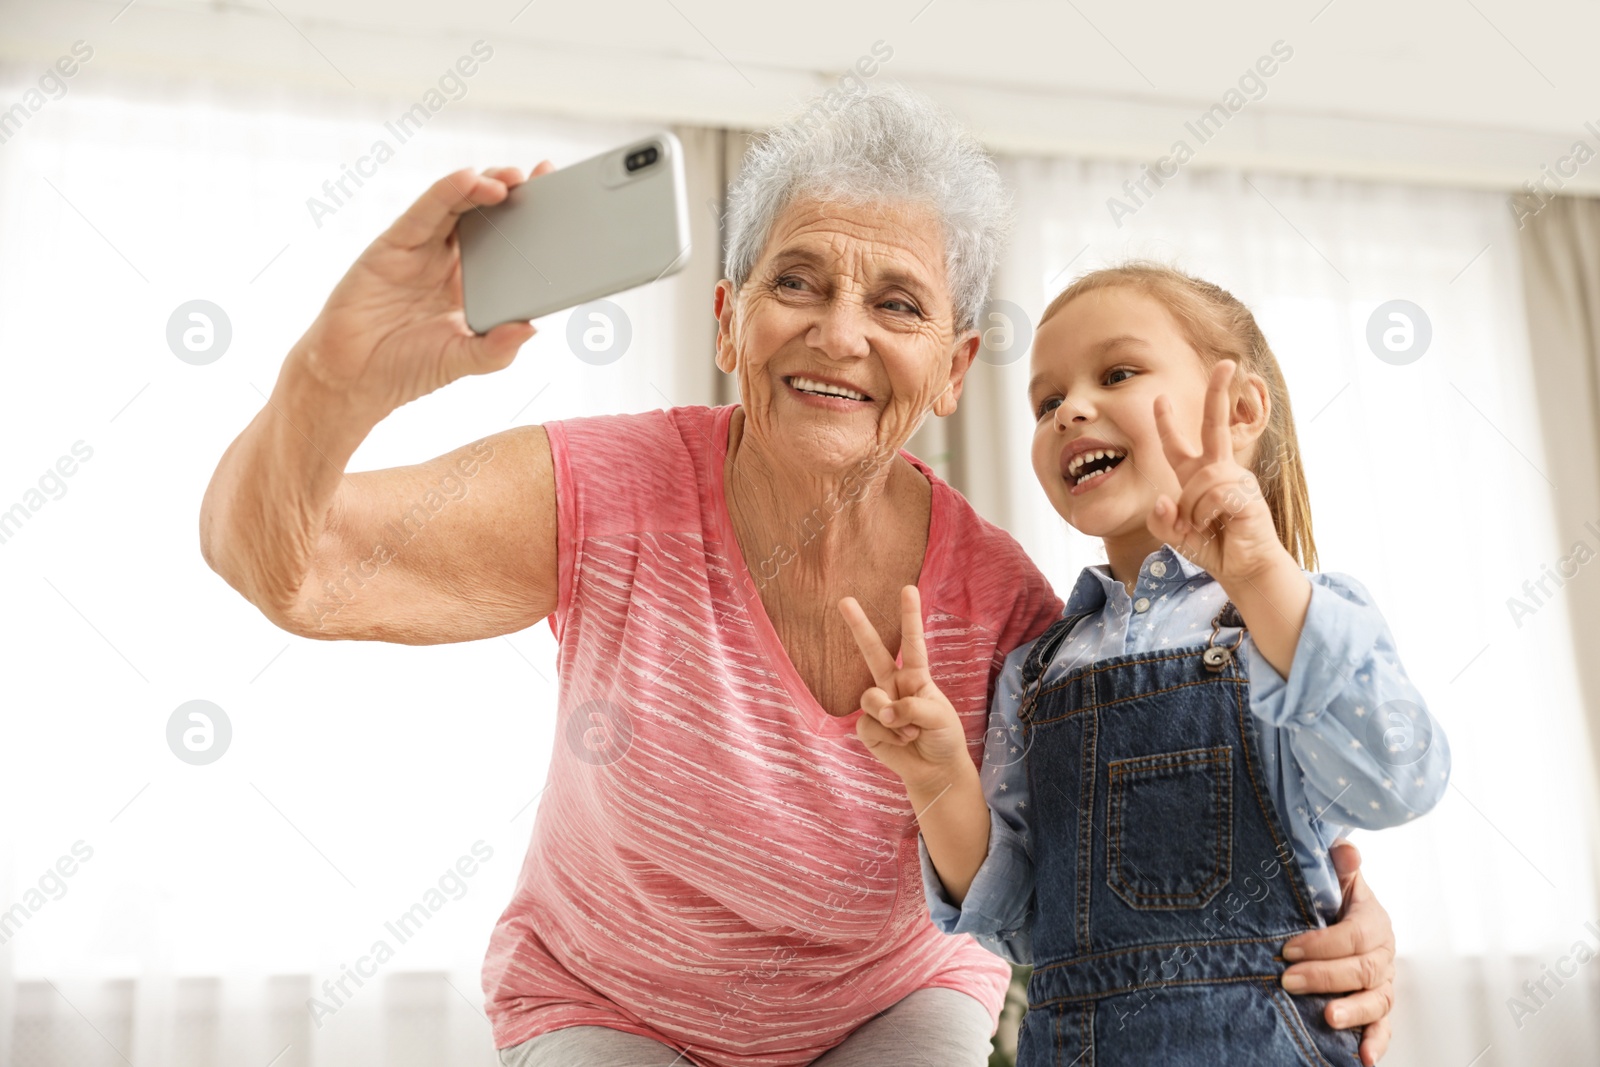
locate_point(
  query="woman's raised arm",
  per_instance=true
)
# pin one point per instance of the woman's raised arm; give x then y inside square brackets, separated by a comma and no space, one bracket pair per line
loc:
[457,548]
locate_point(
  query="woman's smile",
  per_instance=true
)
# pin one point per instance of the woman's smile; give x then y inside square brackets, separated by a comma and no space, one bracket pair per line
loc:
[826,393]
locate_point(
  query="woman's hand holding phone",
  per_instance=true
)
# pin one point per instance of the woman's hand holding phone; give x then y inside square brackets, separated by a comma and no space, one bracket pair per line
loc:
[393,329]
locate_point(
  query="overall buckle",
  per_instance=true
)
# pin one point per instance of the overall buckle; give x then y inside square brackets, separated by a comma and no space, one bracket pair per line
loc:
[1216,657]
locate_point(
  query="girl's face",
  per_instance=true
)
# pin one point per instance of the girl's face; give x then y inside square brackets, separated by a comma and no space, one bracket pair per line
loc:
[1098,365]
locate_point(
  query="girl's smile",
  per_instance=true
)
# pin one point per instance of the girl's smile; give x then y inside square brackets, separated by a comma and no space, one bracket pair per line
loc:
[1089,461]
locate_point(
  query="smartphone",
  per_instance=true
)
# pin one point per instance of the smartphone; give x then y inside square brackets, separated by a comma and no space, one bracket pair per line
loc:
[612,222]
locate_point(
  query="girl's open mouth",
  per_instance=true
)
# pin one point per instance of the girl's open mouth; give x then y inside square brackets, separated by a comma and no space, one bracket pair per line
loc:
[1089,469]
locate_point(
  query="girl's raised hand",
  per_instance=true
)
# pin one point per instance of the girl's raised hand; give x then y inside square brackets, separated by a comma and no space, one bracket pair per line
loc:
[1221,521]
[908,723]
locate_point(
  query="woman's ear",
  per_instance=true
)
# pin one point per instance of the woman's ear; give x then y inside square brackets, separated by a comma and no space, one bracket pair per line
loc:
[722,307]
[961,359]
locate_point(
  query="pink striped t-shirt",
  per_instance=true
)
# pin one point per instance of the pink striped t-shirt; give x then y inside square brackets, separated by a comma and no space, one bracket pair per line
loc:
[717,863]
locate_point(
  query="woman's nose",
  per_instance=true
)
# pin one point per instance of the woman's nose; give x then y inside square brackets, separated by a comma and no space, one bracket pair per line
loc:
[841,333]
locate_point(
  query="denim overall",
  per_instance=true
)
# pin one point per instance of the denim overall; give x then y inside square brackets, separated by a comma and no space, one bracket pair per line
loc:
[1165,881]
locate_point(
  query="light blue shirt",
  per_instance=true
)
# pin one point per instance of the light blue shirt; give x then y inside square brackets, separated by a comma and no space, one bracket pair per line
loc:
[1339,736]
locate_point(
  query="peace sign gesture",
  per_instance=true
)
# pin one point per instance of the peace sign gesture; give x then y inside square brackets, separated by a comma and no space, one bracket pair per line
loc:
[1221,521]
[908,723]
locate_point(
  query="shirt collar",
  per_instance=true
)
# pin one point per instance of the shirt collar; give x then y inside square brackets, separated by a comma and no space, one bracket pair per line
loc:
[1095,584]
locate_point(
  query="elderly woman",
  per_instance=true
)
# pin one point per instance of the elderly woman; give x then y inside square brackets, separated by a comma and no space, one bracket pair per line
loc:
[720,872]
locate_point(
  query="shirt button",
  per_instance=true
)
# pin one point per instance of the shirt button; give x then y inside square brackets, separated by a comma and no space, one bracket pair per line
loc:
[1158,569]
[1142,604]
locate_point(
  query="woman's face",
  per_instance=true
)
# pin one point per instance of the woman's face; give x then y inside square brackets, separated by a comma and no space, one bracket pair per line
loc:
[842,338]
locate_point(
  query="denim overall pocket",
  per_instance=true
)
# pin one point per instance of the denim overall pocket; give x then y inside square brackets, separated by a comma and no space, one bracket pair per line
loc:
[1169,828]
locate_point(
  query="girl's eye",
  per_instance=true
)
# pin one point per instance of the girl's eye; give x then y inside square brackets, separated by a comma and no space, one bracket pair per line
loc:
[1049,405]
[1116,371]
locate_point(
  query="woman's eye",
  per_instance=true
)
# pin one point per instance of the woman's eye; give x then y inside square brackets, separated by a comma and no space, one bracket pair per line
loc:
[789,281]
[1049,405]
[903,305]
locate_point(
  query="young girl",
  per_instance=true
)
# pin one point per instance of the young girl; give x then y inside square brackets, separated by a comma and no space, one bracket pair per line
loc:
[1167,765]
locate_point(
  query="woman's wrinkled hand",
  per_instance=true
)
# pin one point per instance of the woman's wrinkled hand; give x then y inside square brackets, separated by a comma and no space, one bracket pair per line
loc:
[1355,955]
[393,329]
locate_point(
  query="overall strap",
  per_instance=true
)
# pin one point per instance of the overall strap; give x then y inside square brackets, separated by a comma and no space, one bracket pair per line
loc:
[1039,657]
[1044,649]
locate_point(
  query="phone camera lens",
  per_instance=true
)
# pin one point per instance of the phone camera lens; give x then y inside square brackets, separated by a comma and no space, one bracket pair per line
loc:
[643,158]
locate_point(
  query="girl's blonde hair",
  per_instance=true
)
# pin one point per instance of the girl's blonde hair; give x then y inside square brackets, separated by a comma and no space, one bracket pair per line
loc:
[1219,327]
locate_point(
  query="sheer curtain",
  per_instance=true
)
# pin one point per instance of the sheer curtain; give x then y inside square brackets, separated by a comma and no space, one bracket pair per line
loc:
[196,909]
[1561,250]
[1430,482]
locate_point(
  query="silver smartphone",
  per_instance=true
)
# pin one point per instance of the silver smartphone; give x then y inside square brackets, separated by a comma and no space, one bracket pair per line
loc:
[609,223]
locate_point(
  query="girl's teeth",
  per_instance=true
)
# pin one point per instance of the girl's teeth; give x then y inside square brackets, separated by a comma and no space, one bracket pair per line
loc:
[1084,458]
[1095,474]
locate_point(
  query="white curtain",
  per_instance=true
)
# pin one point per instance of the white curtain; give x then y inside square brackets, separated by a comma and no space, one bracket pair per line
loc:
[1430,484]
[1561,281]
[215,900]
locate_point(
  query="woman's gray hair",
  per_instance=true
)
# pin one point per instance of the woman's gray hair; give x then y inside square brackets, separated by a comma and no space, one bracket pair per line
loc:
[878,144]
